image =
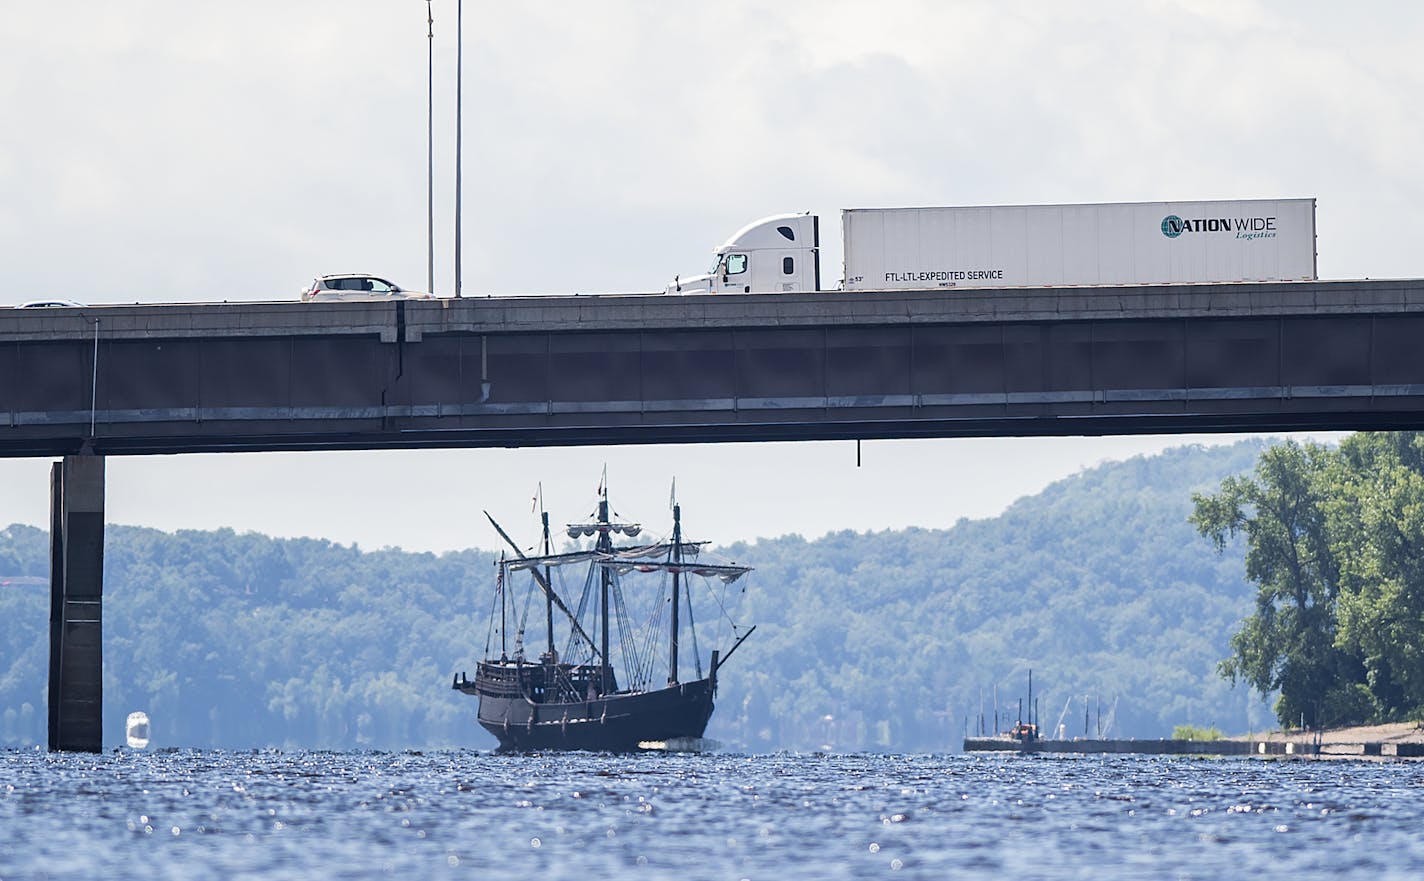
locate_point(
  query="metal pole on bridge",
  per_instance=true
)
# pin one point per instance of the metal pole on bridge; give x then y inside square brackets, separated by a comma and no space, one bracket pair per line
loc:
[430,149]
[459,82]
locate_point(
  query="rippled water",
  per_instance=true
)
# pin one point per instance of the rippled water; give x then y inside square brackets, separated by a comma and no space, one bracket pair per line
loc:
[194,814]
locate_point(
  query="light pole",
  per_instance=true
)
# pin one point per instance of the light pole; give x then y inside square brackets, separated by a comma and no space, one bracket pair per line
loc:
[430,149]
[459,129]
[430,139]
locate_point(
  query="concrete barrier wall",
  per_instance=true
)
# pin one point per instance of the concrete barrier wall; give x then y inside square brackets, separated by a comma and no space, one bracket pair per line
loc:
[1198,747]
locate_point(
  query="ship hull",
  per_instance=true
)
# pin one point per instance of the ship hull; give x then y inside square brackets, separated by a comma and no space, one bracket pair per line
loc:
[616,722]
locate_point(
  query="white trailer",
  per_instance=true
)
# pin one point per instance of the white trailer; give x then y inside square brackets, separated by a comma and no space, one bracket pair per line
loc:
[1121,243]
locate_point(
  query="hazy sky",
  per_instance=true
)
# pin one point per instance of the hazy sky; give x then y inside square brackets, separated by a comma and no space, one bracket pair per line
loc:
[164,151]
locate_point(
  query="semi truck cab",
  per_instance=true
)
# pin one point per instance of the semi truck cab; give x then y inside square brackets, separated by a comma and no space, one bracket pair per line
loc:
[774,254]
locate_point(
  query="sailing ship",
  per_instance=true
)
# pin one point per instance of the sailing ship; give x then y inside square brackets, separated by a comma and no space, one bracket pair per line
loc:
[575,699]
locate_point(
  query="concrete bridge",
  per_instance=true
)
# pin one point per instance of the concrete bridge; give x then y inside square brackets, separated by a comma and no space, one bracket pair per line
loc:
[85,383]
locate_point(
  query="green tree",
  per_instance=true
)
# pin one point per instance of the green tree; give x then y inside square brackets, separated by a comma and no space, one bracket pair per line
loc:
[1377,518]
[1288,643]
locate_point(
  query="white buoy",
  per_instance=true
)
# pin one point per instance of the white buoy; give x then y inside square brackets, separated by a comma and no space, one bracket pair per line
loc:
[682,745]
[137,730]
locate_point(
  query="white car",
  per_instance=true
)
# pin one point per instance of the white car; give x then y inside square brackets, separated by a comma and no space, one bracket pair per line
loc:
[357,286]
[50,304]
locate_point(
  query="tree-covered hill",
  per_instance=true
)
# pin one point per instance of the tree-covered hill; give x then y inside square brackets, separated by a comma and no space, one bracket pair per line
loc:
[886,640]
[1098,584]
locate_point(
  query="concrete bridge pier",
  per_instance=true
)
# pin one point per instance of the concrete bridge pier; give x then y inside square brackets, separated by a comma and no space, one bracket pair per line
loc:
[76,683]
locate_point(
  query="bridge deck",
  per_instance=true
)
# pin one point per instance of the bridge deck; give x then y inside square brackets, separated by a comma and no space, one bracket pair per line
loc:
[653,368]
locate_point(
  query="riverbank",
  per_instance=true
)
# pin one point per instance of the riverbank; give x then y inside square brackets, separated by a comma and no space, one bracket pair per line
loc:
[1398,740]
[1395,740]
[1395,732]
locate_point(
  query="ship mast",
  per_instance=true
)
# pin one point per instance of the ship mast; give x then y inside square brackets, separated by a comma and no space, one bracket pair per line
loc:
[548,594]
[677,560]
[605,545]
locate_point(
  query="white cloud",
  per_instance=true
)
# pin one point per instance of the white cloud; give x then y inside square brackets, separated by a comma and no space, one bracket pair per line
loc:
[158,150]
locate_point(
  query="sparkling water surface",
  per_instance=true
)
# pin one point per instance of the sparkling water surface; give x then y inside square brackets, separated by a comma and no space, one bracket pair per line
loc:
[203,814]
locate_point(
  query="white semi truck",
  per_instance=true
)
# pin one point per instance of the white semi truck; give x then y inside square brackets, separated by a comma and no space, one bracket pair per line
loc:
[1015,246]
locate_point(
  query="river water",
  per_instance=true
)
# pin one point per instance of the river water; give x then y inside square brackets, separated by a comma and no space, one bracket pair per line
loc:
[203,814]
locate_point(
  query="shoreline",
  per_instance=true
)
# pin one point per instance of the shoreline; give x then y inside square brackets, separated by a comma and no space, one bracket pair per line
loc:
[1402,740]
[1393,732]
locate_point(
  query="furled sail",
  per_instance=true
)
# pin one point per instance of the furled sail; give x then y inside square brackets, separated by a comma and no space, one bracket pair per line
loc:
[592,554]
[727,574]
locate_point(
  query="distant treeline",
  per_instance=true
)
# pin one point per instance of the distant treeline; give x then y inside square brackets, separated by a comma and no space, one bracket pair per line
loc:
[879,641]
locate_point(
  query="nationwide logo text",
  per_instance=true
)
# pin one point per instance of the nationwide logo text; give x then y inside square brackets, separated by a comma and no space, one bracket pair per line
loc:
[1244,227]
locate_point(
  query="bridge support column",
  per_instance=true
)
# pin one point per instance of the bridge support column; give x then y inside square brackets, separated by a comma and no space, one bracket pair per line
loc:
[76,542]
